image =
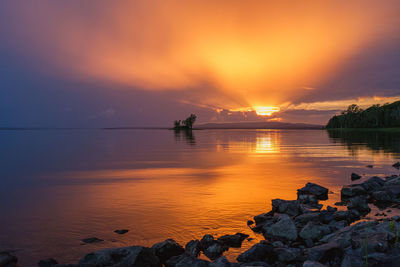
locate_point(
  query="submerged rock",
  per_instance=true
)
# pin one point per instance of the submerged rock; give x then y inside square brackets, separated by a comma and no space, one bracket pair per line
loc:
[90,240]
[121,231]
[167,249]
[125,256]
[313,189]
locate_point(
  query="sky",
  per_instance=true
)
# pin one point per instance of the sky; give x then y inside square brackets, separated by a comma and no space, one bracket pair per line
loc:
[148,62]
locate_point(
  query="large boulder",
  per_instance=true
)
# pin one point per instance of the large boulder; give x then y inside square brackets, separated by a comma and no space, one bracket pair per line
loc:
[7,259]
[207,241]
[355,176]
[329,253]
[215,250]
[318,191]
[349,191]
[167,249]
[234,241]
[223,262]
[360,204]
[311,232]
[258,252]
[287,254]
[373,184]
[185,261]
[125,256]
[284,228]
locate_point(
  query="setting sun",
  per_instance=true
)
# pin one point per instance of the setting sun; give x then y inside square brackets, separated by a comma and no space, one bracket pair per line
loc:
[266,111]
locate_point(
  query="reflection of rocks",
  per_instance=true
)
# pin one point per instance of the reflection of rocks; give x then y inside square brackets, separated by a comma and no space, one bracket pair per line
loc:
[185,134]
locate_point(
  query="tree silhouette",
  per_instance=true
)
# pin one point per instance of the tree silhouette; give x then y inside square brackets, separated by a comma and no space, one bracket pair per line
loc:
[186,123]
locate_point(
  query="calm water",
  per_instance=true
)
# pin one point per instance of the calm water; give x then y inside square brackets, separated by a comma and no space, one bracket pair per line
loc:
[60,186]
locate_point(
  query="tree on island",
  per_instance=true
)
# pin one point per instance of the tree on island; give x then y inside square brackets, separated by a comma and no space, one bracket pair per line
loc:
[185,124]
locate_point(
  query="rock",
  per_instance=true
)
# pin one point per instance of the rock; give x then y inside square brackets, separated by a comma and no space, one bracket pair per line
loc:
[125,256]
[260,218]
[284,228]
[193,248]
[185,261]
[352,191]
[167,249]
[214,251]
[290,207]
[360,204]
[311,231]
[313,189]
[331,209]
[307,217]
[46,263]
[90,240]
[326,253]
[313,264]
[373,184]
[370,241]
[258,252]
[7,259]
[234,241]
[121,231]
[255,263]
[223,262]
[355,176]
[396,165]
[250,222]
[370,166]
[287,254]
[207,241]
[308,199]
[381,196]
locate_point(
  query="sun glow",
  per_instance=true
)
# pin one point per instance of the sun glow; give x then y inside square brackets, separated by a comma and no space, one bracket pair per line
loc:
[266,111]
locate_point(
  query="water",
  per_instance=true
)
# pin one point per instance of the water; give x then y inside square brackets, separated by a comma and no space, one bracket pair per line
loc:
[60,186]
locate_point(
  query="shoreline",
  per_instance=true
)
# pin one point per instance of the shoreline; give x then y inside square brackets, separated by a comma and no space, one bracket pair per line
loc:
[297,233]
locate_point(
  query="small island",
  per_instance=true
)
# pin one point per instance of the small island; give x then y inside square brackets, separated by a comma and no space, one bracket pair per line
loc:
[186,124]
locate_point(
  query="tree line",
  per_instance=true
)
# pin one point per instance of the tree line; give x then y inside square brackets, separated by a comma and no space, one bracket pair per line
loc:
[376,116]
[186,123]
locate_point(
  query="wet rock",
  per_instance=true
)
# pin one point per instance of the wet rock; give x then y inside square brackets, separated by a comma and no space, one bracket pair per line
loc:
[250,222]
[313,264]
[307,217]
[193,248]
[46,263]
[125,256]
[121,231]
[352,191]
[327,253]
[186,261]
[223,262]
[290,207]
[331,209]
[258,252]
[167,249]
[207,241]
[287,254]
[234,241]
[381,196]
[308,199]
[360,204]
[396,165]
[284,228]
[260,218]
[90,240]
[7,259]
[355,176]
[311,231]
[313,189]
[373,184]
[214,251]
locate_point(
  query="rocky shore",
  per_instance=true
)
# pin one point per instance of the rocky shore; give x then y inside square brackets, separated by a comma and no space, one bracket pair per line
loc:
[297,233]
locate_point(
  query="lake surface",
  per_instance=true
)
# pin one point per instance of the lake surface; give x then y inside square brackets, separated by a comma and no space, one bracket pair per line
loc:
[60,186]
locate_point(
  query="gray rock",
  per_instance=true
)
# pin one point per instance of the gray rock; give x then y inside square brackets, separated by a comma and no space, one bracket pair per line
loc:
[311,231]
[287,254]
[318,191]
[214,251]
[284,228]
[234,241]
[360,204]
[121,231]
[307,217]
[193,248]
[207,241]
[186,261]
[381,196]
[370,241]
[223,262]
[167,249]
[308,199]
[258,252]
[326,253]
[355,176]
[352,191]
[396,165]
[125,256]
[7,259]
[313,264]
[255,263]
[290,207]
[46,263]
[373,184]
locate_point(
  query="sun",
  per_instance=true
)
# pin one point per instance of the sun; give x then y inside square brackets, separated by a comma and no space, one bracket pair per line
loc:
[266,111]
